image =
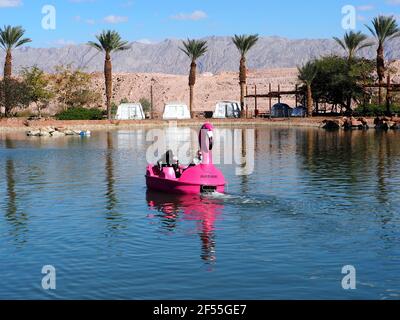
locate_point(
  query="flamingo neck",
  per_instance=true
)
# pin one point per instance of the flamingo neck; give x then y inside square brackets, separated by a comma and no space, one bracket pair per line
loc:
[207,157]
[206,144]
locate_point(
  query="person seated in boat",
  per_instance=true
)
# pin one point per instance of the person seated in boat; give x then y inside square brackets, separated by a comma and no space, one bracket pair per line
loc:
[197,160]
[168,160]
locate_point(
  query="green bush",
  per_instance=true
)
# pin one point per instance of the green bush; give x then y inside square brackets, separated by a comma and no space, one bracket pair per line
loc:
[25,114]
[114,109]
[81,114]
[146,104]
[373,110]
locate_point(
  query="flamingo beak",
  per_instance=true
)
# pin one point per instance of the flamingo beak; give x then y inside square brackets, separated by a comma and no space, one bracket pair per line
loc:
[210,136]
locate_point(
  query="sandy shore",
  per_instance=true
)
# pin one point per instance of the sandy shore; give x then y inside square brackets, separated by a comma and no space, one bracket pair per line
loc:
[22,125]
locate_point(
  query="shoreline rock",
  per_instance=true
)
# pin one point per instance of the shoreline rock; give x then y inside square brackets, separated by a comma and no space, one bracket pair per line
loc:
[56,132]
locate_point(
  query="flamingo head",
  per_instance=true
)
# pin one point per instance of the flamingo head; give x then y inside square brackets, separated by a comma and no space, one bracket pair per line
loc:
[206,137]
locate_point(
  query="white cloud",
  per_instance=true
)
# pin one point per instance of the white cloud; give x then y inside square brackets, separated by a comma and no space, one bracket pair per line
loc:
[87,21]
[127,4]
[10,3]
[63,42]
[115,19]
[144,41]
[195,15]
[393,2]
[366,7]
[80,1]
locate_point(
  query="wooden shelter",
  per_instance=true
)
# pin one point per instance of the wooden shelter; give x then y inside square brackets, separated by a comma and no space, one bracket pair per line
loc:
[390,88]
[270,95]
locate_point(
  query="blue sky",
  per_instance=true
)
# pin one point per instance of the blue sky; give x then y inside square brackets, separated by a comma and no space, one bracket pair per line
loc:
[77,21]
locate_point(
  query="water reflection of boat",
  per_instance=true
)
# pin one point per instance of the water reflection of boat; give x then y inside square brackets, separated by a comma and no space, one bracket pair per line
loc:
[203,210]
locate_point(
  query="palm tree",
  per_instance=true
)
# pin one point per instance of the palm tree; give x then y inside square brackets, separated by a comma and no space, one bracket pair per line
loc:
[194,49]
[353,42]
[384,28]
[10,38]
[109,41]
[307,74]
[243,43]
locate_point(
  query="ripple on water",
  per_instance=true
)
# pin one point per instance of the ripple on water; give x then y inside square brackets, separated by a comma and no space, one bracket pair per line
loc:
[316,201]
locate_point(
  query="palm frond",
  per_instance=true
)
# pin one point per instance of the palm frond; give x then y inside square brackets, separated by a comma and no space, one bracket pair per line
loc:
[109,41]
[194,49]
[95,45]
[245,42]
[353,42]
[12,37]
[384,28]
[366,45]
[371,30]
[22,42]
[307,72]
[340,42]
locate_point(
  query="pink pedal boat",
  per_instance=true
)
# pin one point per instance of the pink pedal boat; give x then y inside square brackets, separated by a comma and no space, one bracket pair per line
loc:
[172,177]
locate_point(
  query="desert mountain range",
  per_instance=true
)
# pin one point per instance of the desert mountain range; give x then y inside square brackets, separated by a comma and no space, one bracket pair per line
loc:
[273,60]
[165,57]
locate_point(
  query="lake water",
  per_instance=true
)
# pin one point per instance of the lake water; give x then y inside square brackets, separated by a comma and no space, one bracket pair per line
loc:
[316,201]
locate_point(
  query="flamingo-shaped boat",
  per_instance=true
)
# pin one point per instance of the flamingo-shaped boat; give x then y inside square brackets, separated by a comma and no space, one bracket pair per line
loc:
[171,177]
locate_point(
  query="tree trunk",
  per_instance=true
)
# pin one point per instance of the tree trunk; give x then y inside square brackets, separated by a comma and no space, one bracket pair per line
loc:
[151,102]
[8,65]
[39,109]
[349,98]
[388,96]
[380,68]
[191,89]
[7,80]
[192,82]
[309,101]
[348,105]
[242,81]
[108,82]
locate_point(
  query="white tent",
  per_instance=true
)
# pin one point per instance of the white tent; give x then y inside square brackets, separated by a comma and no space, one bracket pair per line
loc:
[227,109]
[176,111]
[130,111]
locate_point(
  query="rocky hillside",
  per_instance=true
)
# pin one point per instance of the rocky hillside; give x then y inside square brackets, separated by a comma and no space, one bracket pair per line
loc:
[165,57]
